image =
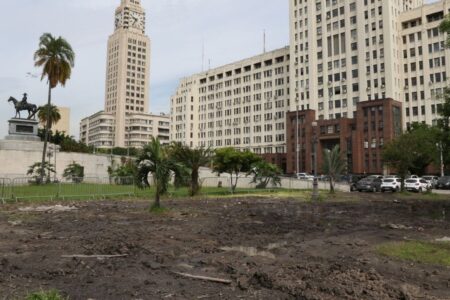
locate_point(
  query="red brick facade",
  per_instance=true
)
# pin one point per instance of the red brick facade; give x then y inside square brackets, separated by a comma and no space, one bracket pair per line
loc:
[361,139]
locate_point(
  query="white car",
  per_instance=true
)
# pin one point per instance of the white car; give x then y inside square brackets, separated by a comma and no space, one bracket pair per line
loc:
[305,176]
[391,184]
[416,185]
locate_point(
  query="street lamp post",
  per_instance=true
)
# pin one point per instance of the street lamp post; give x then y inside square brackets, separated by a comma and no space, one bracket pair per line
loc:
[441,156]
[297,147]
[315,192]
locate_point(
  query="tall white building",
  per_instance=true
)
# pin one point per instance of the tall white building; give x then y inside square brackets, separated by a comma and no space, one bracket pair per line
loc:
[126,87]
[341,52]
[239,105]
[344,52]
[425,61]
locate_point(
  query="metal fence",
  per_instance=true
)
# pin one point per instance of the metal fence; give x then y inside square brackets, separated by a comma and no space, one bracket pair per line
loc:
[91,187]
[26,188]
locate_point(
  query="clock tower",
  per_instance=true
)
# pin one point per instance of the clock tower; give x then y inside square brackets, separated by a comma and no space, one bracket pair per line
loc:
[127,68]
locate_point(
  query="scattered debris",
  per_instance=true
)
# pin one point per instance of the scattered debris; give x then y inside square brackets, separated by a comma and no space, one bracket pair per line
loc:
[444,239]
[15,223]
[205,278]
[53,208]
[93,256]
[396,226]
[249,251]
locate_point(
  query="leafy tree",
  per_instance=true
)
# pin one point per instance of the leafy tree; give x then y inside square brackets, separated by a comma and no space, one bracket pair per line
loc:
[56,57]
[192,160]
[50,115]
[155,160]
[74,172]
[265,173]
[233,162]
[333,165]
[124,173]
[36,170]
[413,151]
[66,143]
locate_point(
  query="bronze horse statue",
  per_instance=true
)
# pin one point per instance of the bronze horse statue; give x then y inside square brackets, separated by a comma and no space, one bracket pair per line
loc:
[31,108]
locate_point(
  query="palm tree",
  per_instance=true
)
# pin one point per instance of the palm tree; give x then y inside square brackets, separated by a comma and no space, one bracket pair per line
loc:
[333,165]
[192,159]
[156,161]
[53,114]
[56,57]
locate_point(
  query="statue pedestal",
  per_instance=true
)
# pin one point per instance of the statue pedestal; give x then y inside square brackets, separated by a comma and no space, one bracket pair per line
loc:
[23,135]
[23,130]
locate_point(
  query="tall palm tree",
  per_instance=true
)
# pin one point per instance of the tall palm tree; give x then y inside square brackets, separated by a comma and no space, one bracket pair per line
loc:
[333,165]
[192,159]
[53,114]
[156,161]
[56,57]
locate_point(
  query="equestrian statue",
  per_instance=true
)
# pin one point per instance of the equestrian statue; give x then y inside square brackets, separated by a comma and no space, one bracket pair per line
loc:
[24,105]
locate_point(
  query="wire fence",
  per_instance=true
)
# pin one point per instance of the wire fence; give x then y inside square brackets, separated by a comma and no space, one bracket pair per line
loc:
[27,188]
[91,187]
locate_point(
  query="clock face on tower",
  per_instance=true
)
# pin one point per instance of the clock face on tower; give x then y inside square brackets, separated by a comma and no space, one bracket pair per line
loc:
[137,20]
[119,20]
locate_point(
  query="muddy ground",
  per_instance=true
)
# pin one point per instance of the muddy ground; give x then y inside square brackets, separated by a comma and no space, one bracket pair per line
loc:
[267,248]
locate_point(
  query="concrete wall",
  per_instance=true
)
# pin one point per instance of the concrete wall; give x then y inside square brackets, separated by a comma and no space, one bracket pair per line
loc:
[15,163]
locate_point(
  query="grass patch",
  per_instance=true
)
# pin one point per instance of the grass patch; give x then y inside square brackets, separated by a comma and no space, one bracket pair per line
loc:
[418,251]
[45,295]
[158,210]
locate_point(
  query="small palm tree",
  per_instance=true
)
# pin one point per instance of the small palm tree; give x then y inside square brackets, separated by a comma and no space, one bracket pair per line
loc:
[56,57]
[155,160]
[53,114]
[192,159]
[333,165]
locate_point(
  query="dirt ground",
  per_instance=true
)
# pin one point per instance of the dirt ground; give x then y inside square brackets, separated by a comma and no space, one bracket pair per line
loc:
[267,248]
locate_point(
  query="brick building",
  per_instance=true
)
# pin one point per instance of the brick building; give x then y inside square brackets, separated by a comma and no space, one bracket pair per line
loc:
[360,138]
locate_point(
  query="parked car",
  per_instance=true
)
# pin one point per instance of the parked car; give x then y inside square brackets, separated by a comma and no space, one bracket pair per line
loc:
[375,176]
[443,183]
[413,177]
[432,180]
[369,184]
[390,176]
[391,184]
[354,180]
[416,185]
[305,176]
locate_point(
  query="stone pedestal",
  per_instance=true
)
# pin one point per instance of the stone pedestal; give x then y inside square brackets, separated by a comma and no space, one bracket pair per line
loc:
[23,130]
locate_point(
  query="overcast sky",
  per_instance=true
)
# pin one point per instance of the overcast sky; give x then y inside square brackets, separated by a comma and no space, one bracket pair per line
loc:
[230,29]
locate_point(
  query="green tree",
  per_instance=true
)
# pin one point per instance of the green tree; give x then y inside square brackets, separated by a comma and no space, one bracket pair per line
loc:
[45,113]
[125,173]
[413,151]
[265,173]
[333,165]
[155,160]
[36,170]
[56,57]
[74,172]
[192,160]
[233,162]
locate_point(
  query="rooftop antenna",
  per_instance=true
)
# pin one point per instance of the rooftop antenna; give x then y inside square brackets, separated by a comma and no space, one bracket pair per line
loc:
[209,64]
[264,41]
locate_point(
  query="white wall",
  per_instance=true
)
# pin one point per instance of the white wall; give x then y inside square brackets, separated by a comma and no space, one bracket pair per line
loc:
[15,163]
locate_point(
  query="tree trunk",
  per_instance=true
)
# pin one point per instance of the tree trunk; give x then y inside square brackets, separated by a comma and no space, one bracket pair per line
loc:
[331,185]
[194,182]
[46,129]
[234,185]
[157,203]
